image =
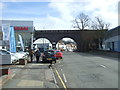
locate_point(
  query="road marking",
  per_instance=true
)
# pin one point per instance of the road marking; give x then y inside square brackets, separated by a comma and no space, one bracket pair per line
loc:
[103,66]
[53,76]
[61,79]
[39,64]
[64,78]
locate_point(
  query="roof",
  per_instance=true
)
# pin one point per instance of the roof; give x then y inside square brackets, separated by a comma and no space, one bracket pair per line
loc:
[118,27]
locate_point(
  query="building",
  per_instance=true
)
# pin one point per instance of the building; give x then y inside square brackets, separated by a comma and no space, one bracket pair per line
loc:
[23,28]
[112,40]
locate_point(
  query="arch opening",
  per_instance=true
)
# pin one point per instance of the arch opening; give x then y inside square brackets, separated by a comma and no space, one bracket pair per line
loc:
[43,44]
[66,44]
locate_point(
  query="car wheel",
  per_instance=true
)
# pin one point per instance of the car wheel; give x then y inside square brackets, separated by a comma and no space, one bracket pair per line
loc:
[60,57]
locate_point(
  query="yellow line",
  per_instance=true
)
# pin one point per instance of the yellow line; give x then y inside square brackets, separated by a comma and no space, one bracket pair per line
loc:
[61,80]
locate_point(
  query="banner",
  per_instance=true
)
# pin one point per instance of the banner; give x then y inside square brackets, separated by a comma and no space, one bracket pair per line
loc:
[6,31]
[12,40]
[21,42]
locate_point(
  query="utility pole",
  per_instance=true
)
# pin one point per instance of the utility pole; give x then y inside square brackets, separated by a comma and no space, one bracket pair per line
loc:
[32,38]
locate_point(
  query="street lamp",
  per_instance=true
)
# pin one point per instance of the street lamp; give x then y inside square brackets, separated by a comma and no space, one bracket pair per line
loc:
[33,29]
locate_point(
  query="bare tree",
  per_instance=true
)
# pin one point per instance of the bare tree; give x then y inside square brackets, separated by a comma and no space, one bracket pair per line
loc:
[81,22]
[94,26]
[99,24]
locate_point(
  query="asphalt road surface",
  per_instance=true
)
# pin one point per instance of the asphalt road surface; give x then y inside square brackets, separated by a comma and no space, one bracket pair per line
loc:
[33,75]
[80,70]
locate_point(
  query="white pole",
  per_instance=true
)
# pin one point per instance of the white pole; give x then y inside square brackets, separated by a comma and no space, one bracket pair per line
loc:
[31,40]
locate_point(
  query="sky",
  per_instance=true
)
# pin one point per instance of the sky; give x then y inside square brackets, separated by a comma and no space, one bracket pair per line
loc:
[59,14]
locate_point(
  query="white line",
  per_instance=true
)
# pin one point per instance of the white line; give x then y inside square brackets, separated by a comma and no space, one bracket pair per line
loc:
[40,64]
[53,76]
[64,78]
[62,82]
[103,66]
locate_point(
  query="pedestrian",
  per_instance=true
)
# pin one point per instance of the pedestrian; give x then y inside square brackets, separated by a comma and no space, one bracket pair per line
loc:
[50,64]
[37,54]
[31,53]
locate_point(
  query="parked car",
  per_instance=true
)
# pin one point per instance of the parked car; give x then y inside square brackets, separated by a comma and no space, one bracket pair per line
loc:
[21,54]
[49,56]
[8,57]
[58,54]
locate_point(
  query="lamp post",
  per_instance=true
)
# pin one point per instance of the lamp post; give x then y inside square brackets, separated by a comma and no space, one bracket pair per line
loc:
[32,37]
[31,40]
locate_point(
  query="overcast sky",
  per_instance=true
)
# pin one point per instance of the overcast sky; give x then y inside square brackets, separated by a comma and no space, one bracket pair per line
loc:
[54,14]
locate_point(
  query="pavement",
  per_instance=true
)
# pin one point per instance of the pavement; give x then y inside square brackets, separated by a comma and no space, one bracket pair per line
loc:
[31,75]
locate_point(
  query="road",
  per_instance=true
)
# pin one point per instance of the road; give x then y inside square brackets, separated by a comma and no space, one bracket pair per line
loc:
[75,70]
[80,70]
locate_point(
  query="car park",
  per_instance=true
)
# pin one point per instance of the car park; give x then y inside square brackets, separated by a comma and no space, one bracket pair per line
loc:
[49,56]
[58,54]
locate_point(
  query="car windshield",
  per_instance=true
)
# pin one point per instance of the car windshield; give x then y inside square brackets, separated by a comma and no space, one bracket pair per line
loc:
[57,51]
[4,52]
[49,52]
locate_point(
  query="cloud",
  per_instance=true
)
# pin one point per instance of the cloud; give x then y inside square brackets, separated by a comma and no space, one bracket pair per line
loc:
[62,8]
[107,9]
[51,22]
[2,5]
[24,0]
[67,10]
[44,0]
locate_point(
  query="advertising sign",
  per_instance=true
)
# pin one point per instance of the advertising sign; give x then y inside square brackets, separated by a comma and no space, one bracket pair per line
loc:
[12,40]
[20,28]
[6,31]
[21,42]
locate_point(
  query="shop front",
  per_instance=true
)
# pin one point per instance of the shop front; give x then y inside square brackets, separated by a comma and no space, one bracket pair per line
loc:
[23,32]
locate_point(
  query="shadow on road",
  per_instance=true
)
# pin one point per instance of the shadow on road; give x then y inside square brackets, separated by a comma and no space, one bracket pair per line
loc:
[103,54]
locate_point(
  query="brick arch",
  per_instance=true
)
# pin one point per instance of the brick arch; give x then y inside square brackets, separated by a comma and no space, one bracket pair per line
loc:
[43,37]
[56,35]
[82,38]
[68,37]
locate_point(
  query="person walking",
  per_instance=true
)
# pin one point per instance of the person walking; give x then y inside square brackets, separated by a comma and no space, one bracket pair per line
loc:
[37,54]
[31,53]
